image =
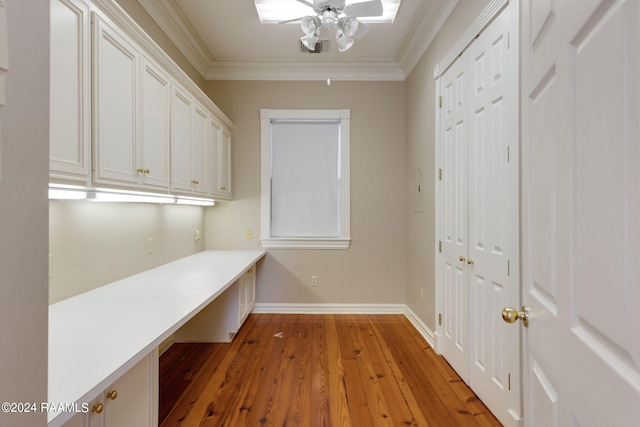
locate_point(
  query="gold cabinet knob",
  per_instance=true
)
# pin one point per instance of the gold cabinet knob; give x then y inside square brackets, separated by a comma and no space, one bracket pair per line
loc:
[463,259]
[511,315]
[97,408]
[147,171]
[223,188]
[140,170]
[469,261]
[112,395]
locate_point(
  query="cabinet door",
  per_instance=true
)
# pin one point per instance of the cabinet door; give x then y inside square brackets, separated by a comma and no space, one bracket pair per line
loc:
[215,141]
[251,289]
[246,295]
[225,164]
[134,405]
[200,150]
[115,105]
[181,131]
[154,137]
[70,108]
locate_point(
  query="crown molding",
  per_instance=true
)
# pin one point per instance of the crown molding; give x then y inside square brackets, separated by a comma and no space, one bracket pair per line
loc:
[430,17]
[177,26]
[365,70]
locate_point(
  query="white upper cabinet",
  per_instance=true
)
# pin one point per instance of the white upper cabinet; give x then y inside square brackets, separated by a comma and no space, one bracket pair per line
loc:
[225,164]
[131,114]
[123,114]
[215,140]
[115,102]
[70,102]
[155,139]
[220,149]
[189,144]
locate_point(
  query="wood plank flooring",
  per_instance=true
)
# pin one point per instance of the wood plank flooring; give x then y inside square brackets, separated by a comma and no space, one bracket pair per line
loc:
[325,370]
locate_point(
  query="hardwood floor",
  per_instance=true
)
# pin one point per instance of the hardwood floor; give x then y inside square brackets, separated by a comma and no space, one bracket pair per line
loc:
[321,370]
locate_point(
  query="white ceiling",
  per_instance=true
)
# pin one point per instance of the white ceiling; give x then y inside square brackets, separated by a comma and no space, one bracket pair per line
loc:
[225,40]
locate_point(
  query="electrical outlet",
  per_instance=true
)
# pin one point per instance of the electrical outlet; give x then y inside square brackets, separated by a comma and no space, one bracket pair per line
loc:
[314,281]
[249,234]
[196,235]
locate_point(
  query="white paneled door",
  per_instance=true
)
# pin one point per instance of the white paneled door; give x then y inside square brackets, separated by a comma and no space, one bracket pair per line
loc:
[493,212]
[454,172]
[581,212]
[478,218]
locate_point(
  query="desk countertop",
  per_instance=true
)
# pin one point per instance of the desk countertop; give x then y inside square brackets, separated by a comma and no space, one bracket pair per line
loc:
[97,336]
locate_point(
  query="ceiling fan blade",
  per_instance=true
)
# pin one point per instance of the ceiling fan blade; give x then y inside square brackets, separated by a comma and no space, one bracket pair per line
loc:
[363,29]
[364,9]
[315,8]
[290,20]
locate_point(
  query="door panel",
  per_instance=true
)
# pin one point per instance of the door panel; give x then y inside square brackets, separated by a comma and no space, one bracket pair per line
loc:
[454,141]
[493,218]
[479,154]
[155,137]
[581,204]
[115,106]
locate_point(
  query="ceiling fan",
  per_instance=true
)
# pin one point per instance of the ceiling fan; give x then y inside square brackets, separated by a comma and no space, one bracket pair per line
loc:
[338,15]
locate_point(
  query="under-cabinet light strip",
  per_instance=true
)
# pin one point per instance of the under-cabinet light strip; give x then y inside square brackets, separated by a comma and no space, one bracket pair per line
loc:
[73,192]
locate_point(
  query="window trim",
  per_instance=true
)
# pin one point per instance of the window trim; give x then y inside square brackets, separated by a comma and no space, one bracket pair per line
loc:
[268,242]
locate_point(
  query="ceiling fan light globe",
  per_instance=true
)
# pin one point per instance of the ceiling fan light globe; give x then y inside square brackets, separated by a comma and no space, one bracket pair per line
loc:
[349,25]
[309,41]
[344,42]
[310,24]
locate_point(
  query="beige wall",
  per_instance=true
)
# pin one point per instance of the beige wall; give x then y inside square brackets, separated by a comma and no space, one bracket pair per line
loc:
[373,269]
[93,244]
[420,152]
[24,152]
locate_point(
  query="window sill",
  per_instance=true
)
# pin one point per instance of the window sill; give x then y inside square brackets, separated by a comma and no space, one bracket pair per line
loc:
[300,243]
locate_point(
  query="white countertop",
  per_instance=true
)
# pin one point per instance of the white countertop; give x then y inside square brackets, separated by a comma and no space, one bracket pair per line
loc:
[97,336]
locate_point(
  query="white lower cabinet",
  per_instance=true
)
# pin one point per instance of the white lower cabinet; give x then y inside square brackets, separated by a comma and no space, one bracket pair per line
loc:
[131,401]
[222,318]
[246,295]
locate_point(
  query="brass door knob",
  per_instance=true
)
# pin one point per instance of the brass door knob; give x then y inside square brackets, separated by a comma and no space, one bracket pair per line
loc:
[511,315]
[98,408]
[112,395]
[469,261]
[463,259]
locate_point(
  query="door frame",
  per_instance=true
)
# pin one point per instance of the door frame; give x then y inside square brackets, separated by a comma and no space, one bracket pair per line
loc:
[493,9]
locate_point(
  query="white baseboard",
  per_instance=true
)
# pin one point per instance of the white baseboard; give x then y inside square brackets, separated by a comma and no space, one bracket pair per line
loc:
[289,308]
[420,326]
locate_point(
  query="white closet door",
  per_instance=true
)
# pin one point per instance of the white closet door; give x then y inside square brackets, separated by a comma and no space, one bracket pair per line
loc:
[478,218]
[454,141]
[581,211]
[493,225]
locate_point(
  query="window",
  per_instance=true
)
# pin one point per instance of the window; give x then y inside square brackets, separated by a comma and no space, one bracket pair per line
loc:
[305,179]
